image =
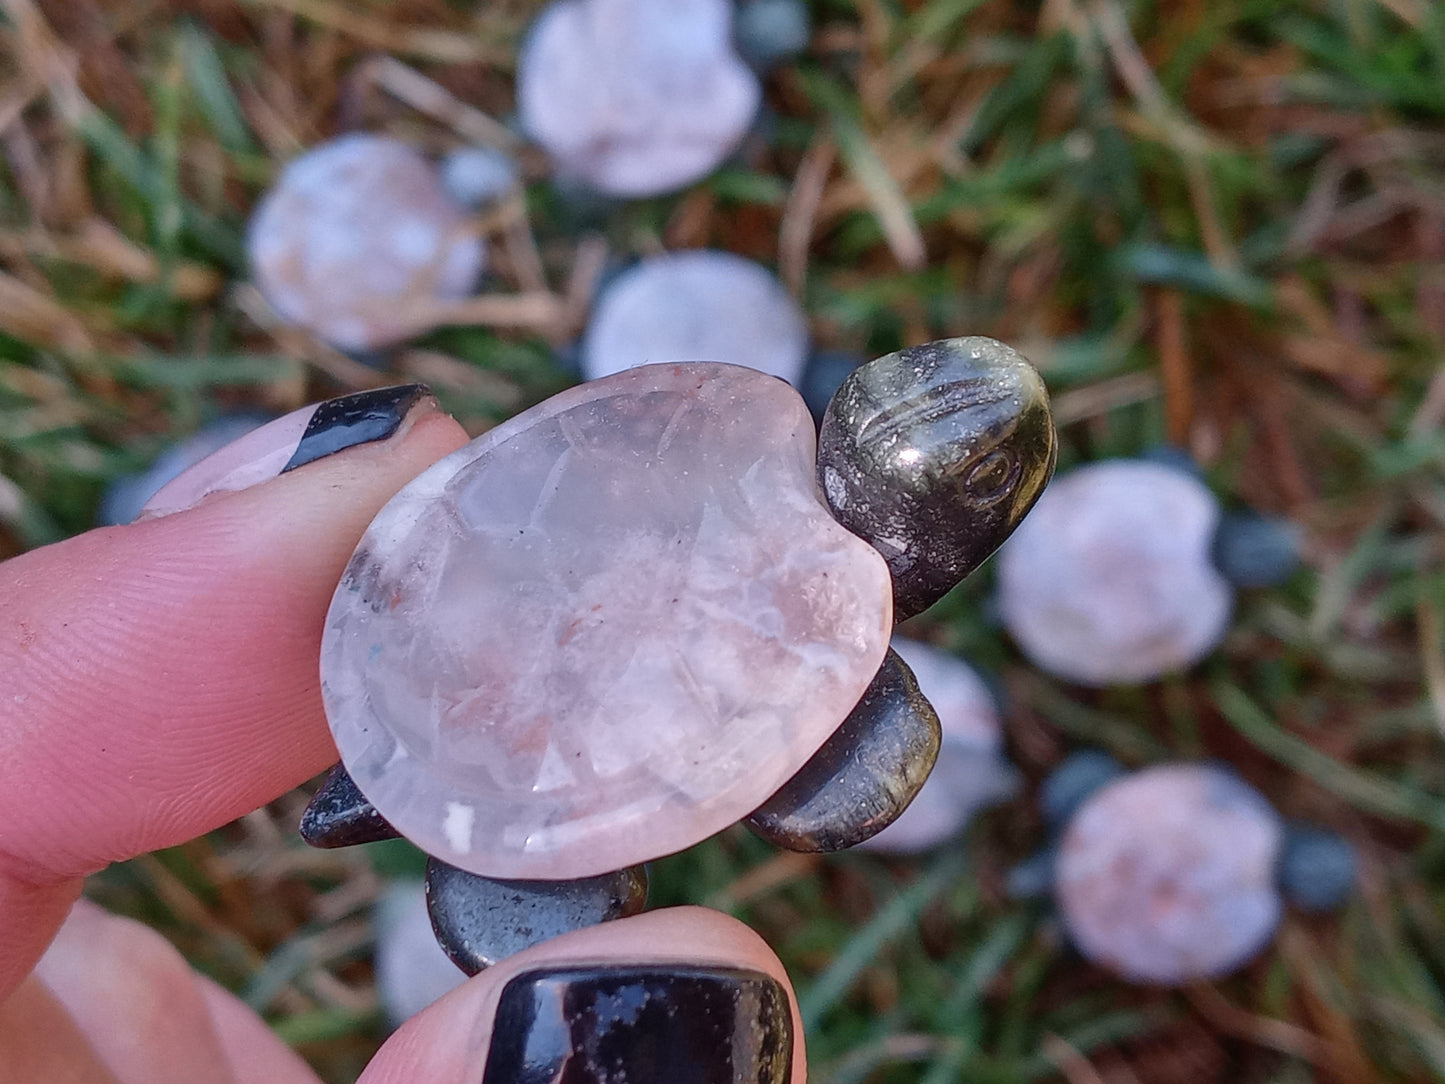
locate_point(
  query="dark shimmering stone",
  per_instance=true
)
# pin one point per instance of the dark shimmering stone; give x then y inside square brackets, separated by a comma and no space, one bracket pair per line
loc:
[1317,869]
[1253,550]
[341,816]
[864,776]
[650,1024]
[479,921]
[933,455]
[1072,781]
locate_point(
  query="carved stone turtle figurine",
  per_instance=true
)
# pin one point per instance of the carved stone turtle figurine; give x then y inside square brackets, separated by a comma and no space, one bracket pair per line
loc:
[1177,873]
[643,610]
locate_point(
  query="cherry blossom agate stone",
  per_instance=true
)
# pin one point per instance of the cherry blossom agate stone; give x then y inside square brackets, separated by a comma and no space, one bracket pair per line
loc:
[605,629]
[1168,875]
[1109,580]
[357,237]
[699,305]
[635,97]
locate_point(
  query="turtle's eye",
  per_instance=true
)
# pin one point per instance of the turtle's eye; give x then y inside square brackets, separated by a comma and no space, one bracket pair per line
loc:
[989,479]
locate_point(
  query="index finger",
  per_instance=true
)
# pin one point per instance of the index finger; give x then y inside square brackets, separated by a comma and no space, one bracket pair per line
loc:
[160,679]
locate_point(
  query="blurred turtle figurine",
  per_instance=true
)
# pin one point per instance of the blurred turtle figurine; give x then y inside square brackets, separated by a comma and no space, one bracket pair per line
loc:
[630,616]
[359,241]
[635,98]
[1177,873]
[1128,568]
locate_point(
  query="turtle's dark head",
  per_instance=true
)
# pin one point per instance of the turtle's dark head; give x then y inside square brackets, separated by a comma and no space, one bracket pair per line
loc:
[933,455]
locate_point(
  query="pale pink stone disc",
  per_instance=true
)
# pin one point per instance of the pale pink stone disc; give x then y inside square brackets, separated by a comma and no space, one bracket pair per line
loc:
[1168,876]
[635,97]
[359,239]
[604,630]
[1109,580]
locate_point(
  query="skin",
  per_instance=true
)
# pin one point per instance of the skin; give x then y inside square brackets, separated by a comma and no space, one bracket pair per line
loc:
[158,681]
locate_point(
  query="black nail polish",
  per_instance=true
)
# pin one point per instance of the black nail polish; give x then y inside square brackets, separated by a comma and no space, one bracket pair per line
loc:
[339,815]
[479,920]
[349,420]
[864,776]
[651,1024]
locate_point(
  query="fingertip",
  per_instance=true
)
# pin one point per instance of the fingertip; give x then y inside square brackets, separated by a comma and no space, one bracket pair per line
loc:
[135,999]
[161,678]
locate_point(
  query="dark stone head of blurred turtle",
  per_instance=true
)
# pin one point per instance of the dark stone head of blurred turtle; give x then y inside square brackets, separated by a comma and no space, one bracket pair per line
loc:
[934,454]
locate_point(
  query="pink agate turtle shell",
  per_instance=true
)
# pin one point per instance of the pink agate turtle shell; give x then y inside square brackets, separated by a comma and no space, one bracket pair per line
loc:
[1109,579]
[1168,876]
[358,238]
[605,629]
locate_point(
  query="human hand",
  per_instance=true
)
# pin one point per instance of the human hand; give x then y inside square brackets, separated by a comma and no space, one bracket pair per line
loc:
[159,680]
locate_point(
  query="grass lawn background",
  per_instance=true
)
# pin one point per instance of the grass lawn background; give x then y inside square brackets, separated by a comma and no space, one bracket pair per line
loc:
[1219,224]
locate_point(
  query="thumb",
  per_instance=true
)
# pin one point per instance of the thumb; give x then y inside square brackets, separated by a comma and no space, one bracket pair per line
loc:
[160,679]
[678,996]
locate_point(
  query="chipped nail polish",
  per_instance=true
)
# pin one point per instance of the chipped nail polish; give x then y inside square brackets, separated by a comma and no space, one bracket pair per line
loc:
[301,437]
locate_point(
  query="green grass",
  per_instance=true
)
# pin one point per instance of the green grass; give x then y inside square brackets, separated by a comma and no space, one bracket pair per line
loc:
[1261,177]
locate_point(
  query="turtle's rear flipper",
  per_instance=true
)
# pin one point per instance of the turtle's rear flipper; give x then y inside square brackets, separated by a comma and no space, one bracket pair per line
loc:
[341,816]
[478,920]
[864,776]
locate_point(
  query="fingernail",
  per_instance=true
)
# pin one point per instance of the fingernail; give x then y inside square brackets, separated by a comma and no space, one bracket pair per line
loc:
[650,1024]
[301,437]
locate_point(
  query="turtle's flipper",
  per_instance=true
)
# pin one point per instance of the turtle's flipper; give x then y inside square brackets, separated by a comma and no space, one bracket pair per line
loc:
[478,921]
[864,776]
[340,815]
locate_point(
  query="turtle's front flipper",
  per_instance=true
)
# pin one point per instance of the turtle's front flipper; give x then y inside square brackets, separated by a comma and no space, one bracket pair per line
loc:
[864,776]
[479,921]
[339,815]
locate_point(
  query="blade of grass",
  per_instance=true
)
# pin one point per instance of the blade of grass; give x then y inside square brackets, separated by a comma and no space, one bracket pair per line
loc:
[838,978]
[1006,938]
[1193,271]
[1104,1030]
[890,204]
[207,77]
[1367,792]
[957,1013]
[27,519]
[322,1024]
[108,142]
[190,374]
